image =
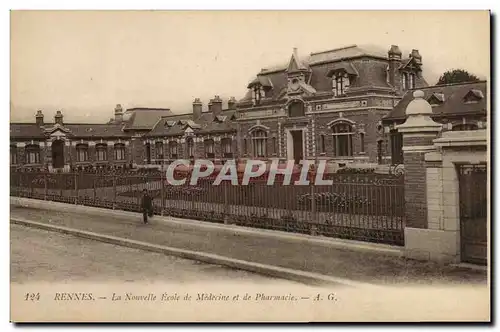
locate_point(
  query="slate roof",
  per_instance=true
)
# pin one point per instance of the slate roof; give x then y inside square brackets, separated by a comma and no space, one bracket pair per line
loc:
[342,53]
[77,130]
[26,130]
[176,125]
[319,68]
[453,96]
[145,118]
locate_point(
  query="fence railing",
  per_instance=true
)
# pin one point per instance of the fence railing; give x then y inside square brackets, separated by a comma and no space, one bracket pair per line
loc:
[366,207]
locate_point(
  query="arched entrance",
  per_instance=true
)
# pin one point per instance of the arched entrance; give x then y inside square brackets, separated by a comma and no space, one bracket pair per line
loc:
[58,154]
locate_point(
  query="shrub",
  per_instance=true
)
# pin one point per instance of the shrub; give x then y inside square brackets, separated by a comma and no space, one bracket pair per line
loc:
[349,170]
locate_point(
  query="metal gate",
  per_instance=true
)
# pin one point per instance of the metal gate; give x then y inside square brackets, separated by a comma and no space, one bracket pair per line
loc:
[473,213]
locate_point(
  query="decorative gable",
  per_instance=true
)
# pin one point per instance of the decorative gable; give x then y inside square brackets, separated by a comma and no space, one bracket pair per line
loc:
[220,118]
[410,64]
[57,131]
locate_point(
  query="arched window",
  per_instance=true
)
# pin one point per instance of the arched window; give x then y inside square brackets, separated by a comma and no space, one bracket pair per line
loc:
[227,150]
[340,83]
[82,152]
[342,139]
[119,151]
[101,152]
[13,155]
[189,147]
[159,150]
[209,148]
[173,149]
[464,127]
[296,109]
[259,141]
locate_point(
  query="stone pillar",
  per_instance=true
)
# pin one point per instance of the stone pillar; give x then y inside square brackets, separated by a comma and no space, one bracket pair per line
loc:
[418,131]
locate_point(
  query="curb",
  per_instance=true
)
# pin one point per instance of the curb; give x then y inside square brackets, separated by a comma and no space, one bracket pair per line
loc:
[351,245]
[263,269]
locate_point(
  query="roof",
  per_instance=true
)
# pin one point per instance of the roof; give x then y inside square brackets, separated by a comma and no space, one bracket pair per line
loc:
[145,118]
[176,125]
[448,99]
[319,67]
[83,130]
[337,54]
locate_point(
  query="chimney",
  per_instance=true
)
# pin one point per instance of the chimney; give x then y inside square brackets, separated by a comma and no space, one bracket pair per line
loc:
[231,104]
[118,113]
[393,74]
[197,109]
[215,106]
[39,118]
[58,118]
[416,55]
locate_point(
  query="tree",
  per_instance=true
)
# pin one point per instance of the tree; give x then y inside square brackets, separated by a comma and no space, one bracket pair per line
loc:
[457,76]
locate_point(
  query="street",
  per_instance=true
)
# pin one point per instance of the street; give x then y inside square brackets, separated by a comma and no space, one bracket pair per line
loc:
[43,256]
[363,266]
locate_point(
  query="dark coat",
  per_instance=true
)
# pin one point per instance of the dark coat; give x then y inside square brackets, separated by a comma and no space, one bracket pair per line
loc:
[146,202]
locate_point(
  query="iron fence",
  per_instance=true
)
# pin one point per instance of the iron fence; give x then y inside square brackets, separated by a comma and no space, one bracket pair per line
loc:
[365,207]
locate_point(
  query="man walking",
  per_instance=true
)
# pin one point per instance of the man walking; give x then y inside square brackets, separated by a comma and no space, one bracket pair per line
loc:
[146,206]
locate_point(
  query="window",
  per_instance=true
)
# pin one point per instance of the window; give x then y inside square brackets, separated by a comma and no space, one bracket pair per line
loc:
[408,81]
[82,152]
[257,93]
[148,153]
[159,150]
[209,148]
[119,151]
[259,140]
[173,149]
[226,147]
[379,152]
[340,84]
[13,155]
[296,109]
[412,81]
[322,147]
[342,139]
[464,127]
[396,147]
[189,147]
[362,142]
[101,152]
[245,146]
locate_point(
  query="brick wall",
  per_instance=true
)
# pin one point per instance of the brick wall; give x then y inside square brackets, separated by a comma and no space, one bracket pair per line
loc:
[415,190]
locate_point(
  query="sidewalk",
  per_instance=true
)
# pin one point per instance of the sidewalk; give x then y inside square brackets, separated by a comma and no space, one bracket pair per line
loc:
[359,266]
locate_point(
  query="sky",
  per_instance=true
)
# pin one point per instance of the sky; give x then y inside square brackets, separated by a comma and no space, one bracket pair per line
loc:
[85,62]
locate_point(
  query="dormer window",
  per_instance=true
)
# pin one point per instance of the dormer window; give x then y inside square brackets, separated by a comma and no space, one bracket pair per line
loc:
[436,99]
[408,81]
[473,96]
[258,93]
[341,83]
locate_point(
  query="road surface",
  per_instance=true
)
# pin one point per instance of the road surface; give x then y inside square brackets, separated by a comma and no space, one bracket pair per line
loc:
[44,256]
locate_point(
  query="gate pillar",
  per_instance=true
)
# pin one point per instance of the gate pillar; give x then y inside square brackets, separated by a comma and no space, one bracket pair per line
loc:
[418,131]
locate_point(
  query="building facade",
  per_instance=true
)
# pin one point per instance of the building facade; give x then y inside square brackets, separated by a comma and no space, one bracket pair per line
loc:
[340,105]
[328,105]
